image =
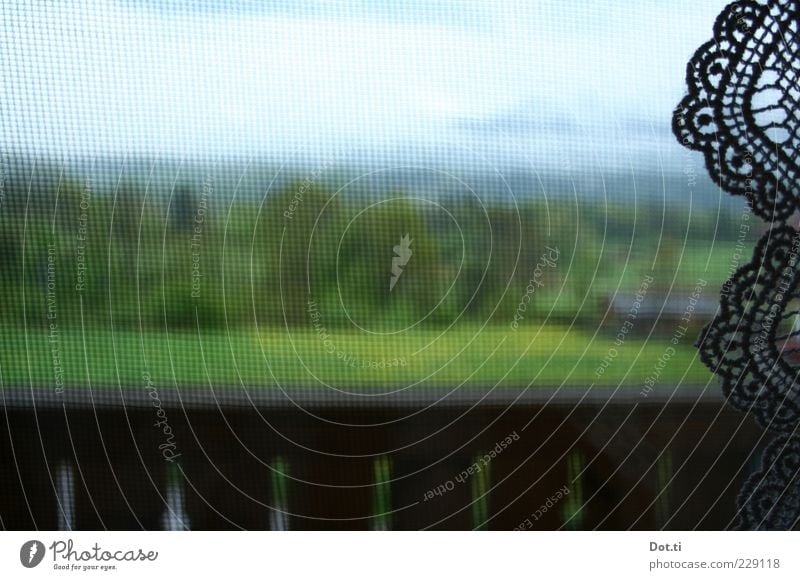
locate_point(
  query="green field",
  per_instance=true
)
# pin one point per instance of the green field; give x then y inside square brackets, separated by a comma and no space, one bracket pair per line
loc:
[175,292]
[543,356]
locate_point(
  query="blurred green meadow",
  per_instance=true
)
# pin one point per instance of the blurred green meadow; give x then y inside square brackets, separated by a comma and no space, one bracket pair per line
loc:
[293,288]
[486,357]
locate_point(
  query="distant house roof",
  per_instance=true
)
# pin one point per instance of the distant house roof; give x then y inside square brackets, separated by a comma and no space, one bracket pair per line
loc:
[661,305]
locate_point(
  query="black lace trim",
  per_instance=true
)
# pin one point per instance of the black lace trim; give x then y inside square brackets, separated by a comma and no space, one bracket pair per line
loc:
[770,498]
[753,344]
[742,103]
[742,111]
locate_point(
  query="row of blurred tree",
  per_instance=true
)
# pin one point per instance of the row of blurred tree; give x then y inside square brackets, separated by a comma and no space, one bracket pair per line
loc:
[193,258]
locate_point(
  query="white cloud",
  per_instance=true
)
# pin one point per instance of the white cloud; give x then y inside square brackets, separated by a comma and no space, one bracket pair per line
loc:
[113,76]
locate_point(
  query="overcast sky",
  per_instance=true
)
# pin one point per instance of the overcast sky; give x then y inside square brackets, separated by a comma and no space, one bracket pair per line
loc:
[554,80]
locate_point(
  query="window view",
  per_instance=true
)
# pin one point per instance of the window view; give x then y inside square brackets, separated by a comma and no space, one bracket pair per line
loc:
[376,266]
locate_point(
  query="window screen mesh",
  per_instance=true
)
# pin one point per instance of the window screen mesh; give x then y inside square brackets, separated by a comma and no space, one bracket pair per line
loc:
[296,265]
